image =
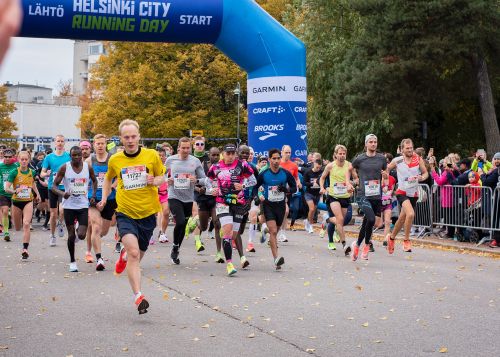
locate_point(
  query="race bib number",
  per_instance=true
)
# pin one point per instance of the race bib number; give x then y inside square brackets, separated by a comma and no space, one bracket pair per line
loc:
[134,177]
[78,186]
[100,179]
[411,182]
[182,182]
[339,188]
[273,195]
[24,193]
[314,183]
[372,188]
[221,209]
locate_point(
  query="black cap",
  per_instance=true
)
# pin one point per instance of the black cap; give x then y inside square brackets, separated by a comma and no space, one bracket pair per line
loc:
[262,157]
[9,151]
[229,147]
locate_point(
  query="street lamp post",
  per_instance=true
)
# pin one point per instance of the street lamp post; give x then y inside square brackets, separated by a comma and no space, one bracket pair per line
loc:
[237,91]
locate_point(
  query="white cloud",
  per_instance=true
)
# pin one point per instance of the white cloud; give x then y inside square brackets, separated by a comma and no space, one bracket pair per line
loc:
[38,61]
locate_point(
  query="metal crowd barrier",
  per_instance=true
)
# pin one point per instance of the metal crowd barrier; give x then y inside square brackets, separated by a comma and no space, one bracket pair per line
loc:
[468,208]
[423,211]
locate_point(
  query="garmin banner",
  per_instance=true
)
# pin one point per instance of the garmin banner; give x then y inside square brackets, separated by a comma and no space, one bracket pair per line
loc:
[274,59]
[277,113]
[137,20]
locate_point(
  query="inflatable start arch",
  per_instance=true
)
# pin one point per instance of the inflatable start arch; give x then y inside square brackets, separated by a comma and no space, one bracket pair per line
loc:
[273,57]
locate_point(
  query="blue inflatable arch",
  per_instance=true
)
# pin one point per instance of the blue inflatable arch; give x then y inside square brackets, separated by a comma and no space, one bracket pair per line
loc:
[273,58]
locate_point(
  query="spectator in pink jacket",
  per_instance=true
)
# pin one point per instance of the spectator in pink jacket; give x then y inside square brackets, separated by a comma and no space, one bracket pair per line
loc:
[446,193]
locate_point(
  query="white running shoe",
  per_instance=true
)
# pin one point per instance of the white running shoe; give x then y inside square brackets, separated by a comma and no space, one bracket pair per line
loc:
[306,225]
[100,265]
[282,237]
[310,229]
[52,241]
[73,268]
[163,238]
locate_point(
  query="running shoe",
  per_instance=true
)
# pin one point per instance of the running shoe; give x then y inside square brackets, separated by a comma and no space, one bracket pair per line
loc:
[390,244]
[278,262]
[336,237]
[306,224]
[199,245]
[384,243]
[152,241]
[244,262]
[6,236]
[365,251]
[73,268]
[45,228]
[121,263]
[162,238]
[230,269]
[25,254]
[219,258]
[331,246]
[407,246]
[60,229]
[250,248]
[142,304]
[174,255]
[263,236]
[322,231]
[282,237]
[347,249]
[89,258]
[493,244]
[31,228]
[355,251]
[52,241]
[118,247]
[310,229]
[100,265]
[191,225]
[372,249]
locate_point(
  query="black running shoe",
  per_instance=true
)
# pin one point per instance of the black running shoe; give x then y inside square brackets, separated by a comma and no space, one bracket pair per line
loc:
[174,255]
[142,305]
[371,247]
[347,250]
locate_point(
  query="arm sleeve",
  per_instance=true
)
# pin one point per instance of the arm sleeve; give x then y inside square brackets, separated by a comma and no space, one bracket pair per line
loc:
[440,180]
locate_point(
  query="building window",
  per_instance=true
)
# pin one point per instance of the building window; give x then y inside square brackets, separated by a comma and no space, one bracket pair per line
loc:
[95,49]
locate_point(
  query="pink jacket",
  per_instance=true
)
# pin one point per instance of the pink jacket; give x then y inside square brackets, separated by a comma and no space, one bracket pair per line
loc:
[446,190]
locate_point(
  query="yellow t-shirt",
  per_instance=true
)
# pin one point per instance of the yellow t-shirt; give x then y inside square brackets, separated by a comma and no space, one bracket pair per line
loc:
[338,188]
[134,197]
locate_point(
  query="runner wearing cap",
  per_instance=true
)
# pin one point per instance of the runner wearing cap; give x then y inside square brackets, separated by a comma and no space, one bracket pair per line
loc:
[272,187]
[86,149]
[232,177]
[50,166]
[185,171]
[6,167]
[139,172]
[100,220]
[369,168]
[411,170]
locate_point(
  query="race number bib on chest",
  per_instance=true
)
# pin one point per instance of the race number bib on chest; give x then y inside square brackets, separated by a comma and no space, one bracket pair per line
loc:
[411,182]
[134,177]
[24,193]
[339,188]
[100,179]
[372,188]
[221,209]
[274,195]
[78,186]
[182,182]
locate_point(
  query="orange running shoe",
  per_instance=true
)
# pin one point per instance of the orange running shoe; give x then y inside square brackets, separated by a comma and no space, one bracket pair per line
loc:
[355,251]
[407,246]
[142,304]
[366,250]
[390,243]
[250,248]
[88,257]
[121,263]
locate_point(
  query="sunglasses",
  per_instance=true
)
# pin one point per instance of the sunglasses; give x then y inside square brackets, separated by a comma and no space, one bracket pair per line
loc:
[231,152]
[199,144]
[7,157]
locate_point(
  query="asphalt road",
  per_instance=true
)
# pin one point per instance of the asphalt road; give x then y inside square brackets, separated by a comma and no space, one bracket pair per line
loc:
[425,303]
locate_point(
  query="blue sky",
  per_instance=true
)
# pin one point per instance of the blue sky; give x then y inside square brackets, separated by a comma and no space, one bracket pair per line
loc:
[38,61]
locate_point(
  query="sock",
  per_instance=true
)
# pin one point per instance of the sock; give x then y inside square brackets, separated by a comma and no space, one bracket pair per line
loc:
[137,296]
[197,237]
[5,223]
[251,233]
[331,231]
[97,256]
[228,249]
[47,219]
[25,245]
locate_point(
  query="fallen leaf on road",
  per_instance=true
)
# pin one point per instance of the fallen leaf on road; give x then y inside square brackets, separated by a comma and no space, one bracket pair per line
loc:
[350,318]
[8,327]
[59,334]
[310,350]
[272,331]
[446,317]
[211,336]
[125,349]
[365,324]
[443,350]
[69,355]
[196,339]
[307,283]
[252,335]
[249,318]
[312,337]
[4,347]
[138,334]
[205,326]
[359,287]
[300,318]
[267,319]
[165,296]
[54,298]
[383,318]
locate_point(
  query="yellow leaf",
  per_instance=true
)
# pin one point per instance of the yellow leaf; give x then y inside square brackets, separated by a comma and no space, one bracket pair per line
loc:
[205,326]
[365,324]
[383,318]
[310,350]
[59,334]
[443,350]
[307,283]
[165,296]
[138,334]
[252,335]
[125,349]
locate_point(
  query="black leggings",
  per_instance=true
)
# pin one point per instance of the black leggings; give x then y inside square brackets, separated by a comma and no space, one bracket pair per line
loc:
[370,208]
[181,211]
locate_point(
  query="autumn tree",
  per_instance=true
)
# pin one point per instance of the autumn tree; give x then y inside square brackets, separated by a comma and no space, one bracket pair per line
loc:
[7,125]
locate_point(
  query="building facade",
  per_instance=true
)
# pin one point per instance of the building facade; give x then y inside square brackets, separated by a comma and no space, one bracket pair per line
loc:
[85,56]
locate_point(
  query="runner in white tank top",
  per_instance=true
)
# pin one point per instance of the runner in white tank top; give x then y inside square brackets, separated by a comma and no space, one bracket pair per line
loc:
[411,170]
[75,175]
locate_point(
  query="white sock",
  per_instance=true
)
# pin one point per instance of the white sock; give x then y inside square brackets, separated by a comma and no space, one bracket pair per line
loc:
[251,233]
[137,296]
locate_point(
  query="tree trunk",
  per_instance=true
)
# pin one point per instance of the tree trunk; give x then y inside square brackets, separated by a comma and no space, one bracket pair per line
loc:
[491,132]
